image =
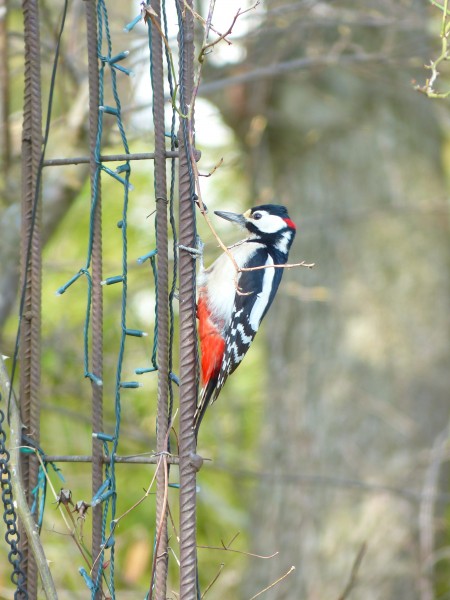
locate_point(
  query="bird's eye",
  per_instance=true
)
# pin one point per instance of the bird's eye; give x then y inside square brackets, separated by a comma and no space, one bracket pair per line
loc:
[257,216]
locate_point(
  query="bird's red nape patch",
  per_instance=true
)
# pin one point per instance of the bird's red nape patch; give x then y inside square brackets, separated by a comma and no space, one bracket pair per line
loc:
[290,223]
[212,344]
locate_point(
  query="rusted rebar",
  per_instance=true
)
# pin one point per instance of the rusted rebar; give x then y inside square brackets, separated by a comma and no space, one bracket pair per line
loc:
[5,136]
[79,160]
[97,299]
[157,76]
[188,332]
[137,459]
[30,332]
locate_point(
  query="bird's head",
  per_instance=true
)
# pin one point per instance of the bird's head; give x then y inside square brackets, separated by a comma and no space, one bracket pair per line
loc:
[267,222]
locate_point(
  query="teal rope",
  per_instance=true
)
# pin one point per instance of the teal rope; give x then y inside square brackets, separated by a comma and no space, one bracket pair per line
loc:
[111,501]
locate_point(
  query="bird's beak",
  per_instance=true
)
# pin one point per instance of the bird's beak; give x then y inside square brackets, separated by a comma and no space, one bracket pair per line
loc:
[233,217]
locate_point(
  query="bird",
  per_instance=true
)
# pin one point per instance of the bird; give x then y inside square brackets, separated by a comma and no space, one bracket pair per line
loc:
[231,304]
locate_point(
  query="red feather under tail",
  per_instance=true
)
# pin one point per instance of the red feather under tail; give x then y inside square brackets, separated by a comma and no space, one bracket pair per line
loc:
[212,347]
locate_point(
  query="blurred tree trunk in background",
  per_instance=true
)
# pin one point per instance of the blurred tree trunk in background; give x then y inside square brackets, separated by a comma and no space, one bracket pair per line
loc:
[359,357]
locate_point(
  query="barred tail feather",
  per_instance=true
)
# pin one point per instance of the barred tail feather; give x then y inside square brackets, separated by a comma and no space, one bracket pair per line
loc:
[205,399]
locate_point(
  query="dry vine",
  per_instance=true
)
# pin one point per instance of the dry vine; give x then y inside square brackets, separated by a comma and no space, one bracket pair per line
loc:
[429,87]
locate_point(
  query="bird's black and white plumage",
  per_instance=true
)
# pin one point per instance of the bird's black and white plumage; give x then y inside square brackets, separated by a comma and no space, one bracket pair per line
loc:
[231,305]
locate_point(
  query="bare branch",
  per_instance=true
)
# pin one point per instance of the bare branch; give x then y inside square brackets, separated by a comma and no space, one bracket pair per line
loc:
[269,587]
[285,266]
[161,521]
[215,578]
[221,37]
[73,533]
[227,548]
[354,572]
[428,89]
[20,500]
[206,22]
[213,170]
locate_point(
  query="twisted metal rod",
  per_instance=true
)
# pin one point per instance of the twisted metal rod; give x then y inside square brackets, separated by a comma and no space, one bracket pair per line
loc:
[97,300]
[162,242]
[30,336]
[78,160]
[137,459]
[188,332]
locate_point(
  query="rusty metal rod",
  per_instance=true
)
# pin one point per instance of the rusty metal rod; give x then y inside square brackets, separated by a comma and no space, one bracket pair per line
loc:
[134,460]
[97,299]
[158,586]
[79,160]
[187,315]
[31,264]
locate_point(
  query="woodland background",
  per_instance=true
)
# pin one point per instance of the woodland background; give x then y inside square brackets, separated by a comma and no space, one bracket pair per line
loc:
[331,440]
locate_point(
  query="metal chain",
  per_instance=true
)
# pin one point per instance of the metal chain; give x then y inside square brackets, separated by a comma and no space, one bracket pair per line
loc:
[12,536]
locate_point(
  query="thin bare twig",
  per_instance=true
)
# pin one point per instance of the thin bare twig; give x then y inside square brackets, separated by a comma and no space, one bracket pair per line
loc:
[269,587]
[136,504]
[221,37]
[173,524]
[253,555]
[285,266]
[115,522]
[72,532]
[165,503]
[177,560]
[228,548]
[213,581]
[148,491]
[428,88]
[213,170]
[206,22]
[354,572]
[160,524]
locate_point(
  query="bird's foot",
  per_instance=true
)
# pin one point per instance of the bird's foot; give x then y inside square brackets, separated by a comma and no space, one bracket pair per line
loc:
[196,252]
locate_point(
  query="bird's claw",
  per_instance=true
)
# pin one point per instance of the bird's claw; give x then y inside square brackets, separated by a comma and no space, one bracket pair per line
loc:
[196,252]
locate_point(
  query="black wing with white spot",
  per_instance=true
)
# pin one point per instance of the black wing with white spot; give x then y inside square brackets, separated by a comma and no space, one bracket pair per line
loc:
[257,290]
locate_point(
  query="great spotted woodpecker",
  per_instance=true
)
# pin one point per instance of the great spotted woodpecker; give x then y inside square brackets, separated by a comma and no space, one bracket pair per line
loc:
[231,304]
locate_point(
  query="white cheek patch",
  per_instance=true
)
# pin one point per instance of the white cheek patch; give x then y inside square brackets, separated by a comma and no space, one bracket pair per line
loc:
[270,223]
